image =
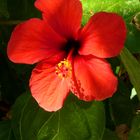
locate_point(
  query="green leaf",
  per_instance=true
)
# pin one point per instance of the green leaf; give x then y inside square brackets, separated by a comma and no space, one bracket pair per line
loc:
[3,8]
[109,135]
[126,8]
[135,130]
[6,132]
[133,68]
[77,120]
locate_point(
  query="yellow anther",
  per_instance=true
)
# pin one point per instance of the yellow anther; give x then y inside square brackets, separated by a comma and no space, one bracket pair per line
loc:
[64,69]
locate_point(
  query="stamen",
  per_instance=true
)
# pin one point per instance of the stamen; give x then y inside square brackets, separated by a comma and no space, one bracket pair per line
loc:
[64,69]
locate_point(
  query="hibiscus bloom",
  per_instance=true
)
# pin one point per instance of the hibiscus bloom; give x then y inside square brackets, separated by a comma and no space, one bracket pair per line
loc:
[69,57]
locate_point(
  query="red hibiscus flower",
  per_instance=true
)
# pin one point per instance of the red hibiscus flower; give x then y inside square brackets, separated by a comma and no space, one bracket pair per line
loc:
[69,57]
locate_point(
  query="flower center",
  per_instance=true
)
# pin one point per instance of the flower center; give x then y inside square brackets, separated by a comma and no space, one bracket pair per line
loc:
[64,69]
[72,44]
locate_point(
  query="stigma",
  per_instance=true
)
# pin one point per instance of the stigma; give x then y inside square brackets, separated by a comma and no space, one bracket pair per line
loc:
[64,69]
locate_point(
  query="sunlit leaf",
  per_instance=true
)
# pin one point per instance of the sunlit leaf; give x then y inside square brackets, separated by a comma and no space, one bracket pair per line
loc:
[126,8]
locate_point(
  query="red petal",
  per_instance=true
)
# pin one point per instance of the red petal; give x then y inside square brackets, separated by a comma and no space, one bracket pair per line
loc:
[47,88]
[103,36]
[63,15]
[94,78]
[33,41]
